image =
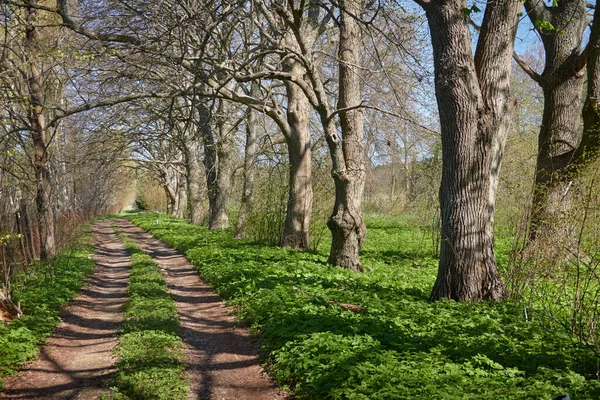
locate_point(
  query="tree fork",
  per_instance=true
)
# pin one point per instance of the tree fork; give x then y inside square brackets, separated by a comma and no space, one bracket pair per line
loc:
[473,95]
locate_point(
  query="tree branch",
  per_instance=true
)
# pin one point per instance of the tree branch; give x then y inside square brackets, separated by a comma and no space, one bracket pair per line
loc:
[537,9]
[527,68]
[63,11]
[105,103]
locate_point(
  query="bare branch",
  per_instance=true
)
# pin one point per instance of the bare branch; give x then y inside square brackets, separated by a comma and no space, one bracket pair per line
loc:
[105,103]
[527,68]
[63,11]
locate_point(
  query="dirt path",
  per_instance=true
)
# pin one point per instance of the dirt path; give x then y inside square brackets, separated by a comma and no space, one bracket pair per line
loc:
[223,360]
[77,362]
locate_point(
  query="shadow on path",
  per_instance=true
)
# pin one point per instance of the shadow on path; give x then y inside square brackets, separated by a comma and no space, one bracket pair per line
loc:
[222,359]
[77,362]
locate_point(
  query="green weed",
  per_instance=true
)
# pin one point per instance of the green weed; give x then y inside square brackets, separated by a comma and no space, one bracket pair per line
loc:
[397,344]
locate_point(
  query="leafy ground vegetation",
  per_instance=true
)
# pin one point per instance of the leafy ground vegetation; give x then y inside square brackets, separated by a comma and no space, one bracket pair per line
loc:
[150,349]
[43,289]
[330,333]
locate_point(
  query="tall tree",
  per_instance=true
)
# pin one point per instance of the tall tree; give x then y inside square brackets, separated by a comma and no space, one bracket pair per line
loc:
[248,173]
[300,195]
[346,148]
[347,226]
[474,102]
[561,28]
[38,131]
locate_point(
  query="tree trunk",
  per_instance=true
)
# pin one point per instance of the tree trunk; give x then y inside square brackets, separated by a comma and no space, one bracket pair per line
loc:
[217,178]
[589,148]
[37,121]
[249,174]
[23,228]
[165,179]
[560,132]
[300,196]
[176,206]
[171,199]
[346,223]
[296,230]
[191,149]
[181,196]
[475,105]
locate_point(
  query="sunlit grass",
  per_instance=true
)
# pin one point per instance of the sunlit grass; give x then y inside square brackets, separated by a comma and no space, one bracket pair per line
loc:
[399,345]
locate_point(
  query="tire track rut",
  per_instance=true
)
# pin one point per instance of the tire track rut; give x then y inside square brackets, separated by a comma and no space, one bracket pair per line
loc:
[222,359]
[77,362]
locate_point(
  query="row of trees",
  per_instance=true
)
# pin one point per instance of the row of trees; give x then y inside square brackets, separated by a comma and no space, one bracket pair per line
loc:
[78,177]
[172,85]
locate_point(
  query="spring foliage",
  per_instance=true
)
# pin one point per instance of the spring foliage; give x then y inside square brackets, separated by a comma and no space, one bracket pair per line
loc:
[397,344]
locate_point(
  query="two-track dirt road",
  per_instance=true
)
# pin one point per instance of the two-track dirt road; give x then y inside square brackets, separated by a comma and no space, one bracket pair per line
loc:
[78,360]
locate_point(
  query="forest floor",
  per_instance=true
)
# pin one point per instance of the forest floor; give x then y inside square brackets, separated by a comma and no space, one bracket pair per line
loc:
[78,360]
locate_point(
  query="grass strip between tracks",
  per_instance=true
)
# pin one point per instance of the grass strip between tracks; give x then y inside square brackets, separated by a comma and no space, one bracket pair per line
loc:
[151,362]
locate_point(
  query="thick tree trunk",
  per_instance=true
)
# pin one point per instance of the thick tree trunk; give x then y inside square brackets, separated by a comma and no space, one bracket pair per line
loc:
[474,105]
[589,148]
[169,185]
[40,143]
[493,62]
[181,196]
[192,154]
[560,132]
[296,230]
[249,174]
[300,196]
[171,199]
[346,223]
[347,226]
[217,178]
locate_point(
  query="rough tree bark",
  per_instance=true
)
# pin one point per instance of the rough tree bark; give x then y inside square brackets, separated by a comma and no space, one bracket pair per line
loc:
[300,195]
[249,174]
[192,156]
[560,133]
[474,103]
[346,222]
[38,134]
[217,178]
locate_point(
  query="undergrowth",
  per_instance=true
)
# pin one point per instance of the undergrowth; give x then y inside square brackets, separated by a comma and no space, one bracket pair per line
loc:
[43,290]
[329,333]
[151,364]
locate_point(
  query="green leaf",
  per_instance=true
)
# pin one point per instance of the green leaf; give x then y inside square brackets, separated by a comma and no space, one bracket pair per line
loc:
[543,25]
[467,11]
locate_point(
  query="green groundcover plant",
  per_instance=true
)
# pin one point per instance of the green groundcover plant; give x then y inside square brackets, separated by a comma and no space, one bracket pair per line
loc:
[43,290]
[329,333]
